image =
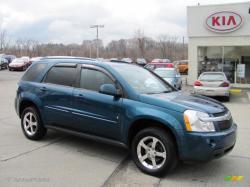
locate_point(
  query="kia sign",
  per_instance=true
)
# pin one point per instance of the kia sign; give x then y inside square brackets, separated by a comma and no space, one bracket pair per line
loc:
[224,21]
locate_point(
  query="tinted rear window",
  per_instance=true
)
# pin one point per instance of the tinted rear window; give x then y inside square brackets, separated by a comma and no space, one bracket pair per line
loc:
[61,75]
[212,77]
[33,72]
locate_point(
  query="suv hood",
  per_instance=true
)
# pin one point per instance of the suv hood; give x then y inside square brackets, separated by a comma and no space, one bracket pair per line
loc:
[179,101]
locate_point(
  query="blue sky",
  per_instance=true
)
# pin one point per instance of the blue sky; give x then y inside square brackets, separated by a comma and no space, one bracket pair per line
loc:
[68,21]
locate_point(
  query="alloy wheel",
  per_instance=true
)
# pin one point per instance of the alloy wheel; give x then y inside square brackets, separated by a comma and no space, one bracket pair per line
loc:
[30,123]
[151,152]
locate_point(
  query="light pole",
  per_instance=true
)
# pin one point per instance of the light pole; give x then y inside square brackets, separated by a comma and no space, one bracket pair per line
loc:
[97,37]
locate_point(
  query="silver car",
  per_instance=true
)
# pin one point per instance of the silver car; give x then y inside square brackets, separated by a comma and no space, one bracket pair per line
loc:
[171,75]
[213,84]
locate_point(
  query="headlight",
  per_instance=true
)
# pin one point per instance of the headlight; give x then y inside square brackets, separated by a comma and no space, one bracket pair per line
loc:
[193,121]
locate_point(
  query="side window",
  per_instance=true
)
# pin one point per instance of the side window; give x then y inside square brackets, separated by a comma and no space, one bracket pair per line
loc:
[93,79]
[61,75]
[33,72]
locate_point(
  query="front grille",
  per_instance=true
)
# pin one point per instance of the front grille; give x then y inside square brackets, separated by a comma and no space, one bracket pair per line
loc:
[224,125]
[220,113]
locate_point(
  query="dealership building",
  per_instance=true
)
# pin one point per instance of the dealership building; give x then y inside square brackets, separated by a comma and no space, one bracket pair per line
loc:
[219,40]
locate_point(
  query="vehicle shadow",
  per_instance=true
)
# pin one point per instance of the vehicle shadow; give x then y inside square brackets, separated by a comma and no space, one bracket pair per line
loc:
[88,147]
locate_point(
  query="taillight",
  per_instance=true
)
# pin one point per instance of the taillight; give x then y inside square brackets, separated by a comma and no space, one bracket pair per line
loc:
[169,65]
[197,83]
[224,84]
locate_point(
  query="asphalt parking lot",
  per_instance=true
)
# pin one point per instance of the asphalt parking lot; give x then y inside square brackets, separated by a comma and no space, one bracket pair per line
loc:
[63,160]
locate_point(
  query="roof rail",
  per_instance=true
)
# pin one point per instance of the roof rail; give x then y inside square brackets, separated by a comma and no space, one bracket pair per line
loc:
[67,57]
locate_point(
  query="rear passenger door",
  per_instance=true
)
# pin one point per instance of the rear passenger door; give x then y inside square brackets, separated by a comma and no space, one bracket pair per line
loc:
[56,94]
[96,113]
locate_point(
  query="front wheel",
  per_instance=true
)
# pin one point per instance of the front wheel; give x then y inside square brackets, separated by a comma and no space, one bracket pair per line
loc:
[154,151]
[32,124]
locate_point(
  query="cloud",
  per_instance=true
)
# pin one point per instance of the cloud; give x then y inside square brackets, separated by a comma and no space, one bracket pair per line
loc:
[68,21]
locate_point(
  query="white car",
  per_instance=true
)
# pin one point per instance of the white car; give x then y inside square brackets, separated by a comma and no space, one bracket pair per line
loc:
[128,60]
[141,61]
[213,84]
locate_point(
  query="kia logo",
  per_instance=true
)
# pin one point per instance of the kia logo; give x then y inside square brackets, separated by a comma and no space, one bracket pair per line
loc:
[224,21]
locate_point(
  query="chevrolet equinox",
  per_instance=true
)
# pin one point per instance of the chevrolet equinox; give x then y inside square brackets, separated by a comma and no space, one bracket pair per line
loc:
[126,105]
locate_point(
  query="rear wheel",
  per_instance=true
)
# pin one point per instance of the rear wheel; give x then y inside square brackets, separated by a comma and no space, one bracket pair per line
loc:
[180,86]
[32,125]
[154,151]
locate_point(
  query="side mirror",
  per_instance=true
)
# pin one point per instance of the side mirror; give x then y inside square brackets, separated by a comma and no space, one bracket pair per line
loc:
[109,89]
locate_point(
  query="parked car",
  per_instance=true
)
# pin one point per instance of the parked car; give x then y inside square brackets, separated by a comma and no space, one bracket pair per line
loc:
[158,60]
[182,65]
[3,63]
[171,75]
[127,105]
[128,60]
[213,84]
[113,59]
[19,64]
[141,61]
[153,66]
[165,60]
[9,58]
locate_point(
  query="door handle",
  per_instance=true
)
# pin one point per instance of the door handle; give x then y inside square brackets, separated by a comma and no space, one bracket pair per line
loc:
[80,95]
[43,89]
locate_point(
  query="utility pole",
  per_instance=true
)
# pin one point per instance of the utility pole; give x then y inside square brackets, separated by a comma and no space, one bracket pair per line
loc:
[97,37]
[183,48]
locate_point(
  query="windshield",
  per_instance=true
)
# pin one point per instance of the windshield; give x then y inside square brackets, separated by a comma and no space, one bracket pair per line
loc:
[212,77]
[142,80]
[18,61]
[165,73]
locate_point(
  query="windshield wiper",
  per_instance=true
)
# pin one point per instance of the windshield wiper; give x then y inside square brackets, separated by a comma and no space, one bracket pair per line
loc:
[167,91]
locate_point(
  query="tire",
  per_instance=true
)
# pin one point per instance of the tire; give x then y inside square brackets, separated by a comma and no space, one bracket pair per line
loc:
[30,130]
[227,98]
[180,87]
[165,143]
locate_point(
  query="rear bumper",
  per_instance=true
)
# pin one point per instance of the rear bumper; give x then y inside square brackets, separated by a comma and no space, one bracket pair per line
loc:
[208,91]
[206,146]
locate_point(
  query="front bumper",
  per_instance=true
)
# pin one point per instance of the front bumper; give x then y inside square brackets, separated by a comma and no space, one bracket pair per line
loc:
[19,68]
[206,146]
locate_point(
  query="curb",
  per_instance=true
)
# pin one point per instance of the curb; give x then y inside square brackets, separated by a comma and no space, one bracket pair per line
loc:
[235,91]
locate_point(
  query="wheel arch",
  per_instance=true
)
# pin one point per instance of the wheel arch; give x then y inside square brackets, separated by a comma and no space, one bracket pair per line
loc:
[143,123]
[27,103]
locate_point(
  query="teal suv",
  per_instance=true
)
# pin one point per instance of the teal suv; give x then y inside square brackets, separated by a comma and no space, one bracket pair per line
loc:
[126,105]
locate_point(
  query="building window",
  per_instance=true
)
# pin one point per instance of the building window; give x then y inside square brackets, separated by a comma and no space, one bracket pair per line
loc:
[228,59]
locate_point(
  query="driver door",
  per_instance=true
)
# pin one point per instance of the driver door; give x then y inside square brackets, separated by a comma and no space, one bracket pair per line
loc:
[96,113]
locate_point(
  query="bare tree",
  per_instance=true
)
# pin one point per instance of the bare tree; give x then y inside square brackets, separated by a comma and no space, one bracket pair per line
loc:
[140,37]
[167,45]
[4,41]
